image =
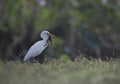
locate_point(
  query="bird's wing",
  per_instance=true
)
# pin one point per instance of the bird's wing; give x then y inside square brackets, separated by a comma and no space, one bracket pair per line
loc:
[35,50]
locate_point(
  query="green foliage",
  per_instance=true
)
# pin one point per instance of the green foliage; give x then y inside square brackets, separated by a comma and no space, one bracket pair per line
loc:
[56,48]
[59,72]
[65,58]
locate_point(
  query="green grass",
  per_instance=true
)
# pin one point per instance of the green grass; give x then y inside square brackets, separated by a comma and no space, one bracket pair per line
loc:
[82,71]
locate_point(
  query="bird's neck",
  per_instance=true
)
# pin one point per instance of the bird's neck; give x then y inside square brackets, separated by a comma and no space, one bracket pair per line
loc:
[45,41]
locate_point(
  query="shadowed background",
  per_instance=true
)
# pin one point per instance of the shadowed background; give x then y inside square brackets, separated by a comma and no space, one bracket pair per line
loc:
[83,27]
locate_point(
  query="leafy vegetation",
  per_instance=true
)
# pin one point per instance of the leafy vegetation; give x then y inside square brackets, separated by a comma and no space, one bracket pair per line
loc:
[81,71]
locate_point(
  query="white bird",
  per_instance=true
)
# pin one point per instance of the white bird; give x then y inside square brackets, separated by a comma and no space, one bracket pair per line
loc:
[37,48]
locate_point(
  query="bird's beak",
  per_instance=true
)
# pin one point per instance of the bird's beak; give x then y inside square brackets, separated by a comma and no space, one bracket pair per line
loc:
[51,35]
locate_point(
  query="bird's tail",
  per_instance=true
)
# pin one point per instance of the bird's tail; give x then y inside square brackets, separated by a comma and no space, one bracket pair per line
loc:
[26,58]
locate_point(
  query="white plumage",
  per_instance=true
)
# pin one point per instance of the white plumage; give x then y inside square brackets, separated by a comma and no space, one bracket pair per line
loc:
[39,46]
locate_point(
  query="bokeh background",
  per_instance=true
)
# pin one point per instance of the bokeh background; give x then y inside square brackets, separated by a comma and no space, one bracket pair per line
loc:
[87,28]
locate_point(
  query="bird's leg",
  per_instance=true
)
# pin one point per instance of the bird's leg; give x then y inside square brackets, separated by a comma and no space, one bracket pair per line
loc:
[41,59]
[32,60]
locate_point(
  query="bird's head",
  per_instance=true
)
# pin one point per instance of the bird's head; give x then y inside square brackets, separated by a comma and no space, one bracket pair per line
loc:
[45,35]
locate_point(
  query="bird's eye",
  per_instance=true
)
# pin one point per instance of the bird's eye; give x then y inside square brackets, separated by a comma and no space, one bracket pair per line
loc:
[48,34]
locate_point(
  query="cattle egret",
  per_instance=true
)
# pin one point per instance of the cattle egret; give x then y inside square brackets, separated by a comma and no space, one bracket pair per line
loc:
[37,48]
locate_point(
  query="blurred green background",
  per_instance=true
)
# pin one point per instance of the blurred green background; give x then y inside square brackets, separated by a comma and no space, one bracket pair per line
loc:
[88,27]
